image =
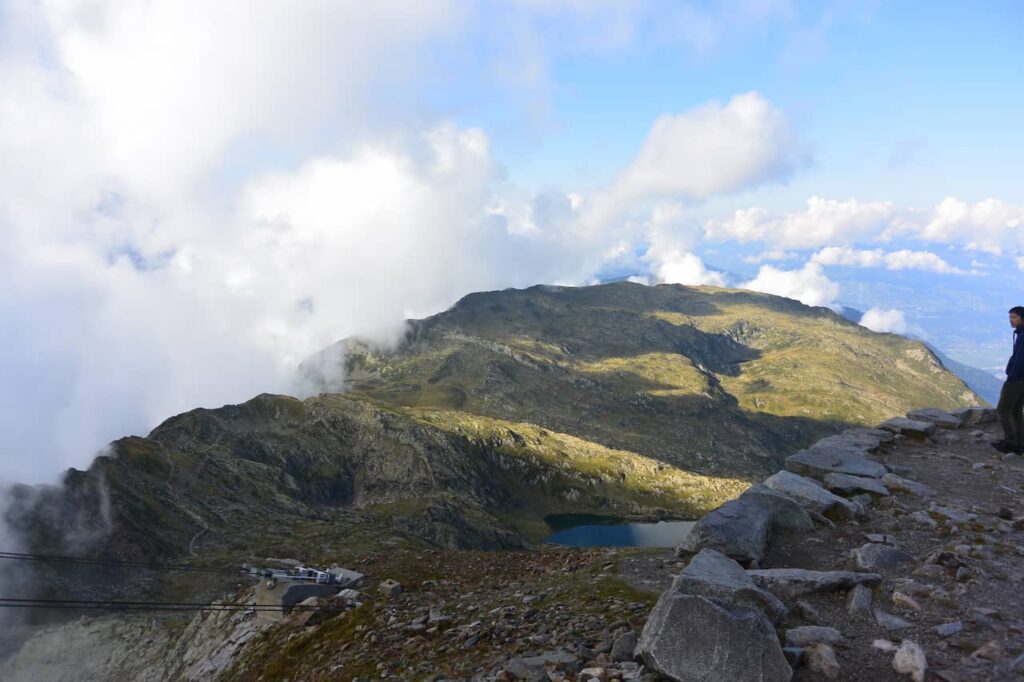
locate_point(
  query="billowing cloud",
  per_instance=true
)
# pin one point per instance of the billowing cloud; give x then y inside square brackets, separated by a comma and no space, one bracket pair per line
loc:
[686,268]
[825,221]
[713,149]
[192,199]
[903,259]
[809,284]
[989,225]
[885,320]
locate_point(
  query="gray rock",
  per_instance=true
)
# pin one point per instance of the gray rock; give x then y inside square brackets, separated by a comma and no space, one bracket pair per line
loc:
[889,621]
[713,575]
[390,588]
[847,484]
[812,634]
[941,418]
[909,427]
[794,656]
[873,556]
[820,659]
[859,600]
[811,495]
[739,529]
[694,639]
[625,644]
[894,482]
[975,416]
[820,460]
[949,629]
[790,583]
[951,513]
[787,514]
[872,439]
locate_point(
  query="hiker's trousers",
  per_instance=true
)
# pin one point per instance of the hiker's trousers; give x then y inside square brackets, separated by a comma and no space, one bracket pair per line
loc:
[1011,412]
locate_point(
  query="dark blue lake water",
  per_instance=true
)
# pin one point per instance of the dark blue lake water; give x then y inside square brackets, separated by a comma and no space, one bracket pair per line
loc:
[578,530]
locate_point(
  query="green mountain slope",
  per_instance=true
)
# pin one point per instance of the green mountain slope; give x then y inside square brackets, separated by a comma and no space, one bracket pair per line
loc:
[714,380]
[617,399]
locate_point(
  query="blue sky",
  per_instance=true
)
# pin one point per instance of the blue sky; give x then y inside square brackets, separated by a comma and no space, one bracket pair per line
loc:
[196,196]
[944,85]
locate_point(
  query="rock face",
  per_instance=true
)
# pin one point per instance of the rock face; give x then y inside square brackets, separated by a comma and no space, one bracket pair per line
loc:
[787,514]
[715,576]
[975,416]
[844,454]
[794,582]
[847,484]
[694,639]
[909,427]
[811,495]
[738,529]
[806,635]
[894,482]
[940,418]
[873,556]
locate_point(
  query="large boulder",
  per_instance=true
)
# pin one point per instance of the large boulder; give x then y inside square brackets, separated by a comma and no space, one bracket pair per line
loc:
[976,416]
[787,513]
[941,418]
[835,454]
[713,575]
[690,638]
[789,583]
[898,483]
[738,529]
[847,484]
[912,428]
[873,556]
[809,494]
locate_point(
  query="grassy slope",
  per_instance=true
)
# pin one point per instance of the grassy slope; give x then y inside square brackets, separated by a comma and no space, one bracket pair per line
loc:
[718,381]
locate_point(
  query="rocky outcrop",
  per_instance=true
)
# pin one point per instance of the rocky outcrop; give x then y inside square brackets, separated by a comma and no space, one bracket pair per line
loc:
[844,468]
[714,623]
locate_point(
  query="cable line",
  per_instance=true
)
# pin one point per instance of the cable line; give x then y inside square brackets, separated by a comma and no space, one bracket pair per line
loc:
[85,561]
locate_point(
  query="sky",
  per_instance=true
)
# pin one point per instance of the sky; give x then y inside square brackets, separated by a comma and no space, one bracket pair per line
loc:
[196,196]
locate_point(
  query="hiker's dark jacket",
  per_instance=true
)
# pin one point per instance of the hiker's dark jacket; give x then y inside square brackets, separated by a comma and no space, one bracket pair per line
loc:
[1015,367]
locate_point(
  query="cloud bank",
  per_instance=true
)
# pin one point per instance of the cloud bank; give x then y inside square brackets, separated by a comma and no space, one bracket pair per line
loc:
[193,199]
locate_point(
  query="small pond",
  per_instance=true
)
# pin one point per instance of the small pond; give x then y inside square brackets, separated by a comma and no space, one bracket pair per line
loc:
[591,530]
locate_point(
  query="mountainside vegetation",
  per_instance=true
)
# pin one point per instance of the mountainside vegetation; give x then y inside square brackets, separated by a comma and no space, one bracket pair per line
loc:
[619,399]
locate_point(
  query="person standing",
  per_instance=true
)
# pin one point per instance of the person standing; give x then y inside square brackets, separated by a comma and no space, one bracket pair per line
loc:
[1011,399]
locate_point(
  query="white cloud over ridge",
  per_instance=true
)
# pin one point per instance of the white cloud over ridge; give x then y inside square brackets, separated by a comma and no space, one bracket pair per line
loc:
[885,320]
[809,285]
[151,269]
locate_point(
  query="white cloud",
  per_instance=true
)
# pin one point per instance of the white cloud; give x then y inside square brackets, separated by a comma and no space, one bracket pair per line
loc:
[825,221]
[193,198]
[986,225]
[885,320]
[903,259]
[713,149]
[686,268]
[772,255]
[809,284]
[989,225]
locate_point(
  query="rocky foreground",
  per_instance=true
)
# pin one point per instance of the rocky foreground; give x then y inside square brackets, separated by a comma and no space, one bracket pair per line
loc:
[892,554]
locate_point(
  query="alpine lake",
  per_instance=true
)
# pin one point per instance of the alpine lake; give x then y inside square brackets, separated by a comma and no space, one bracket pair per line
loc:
[592,530]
